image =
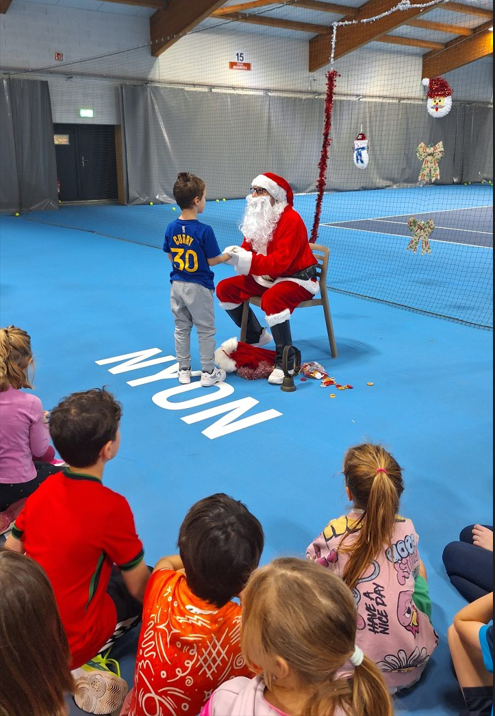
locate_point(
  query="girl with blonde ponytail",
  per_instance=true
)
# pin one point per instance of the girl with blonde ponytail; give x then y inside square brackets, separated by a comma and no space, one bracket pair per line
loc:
[24,436]
[299,637]
[375,551]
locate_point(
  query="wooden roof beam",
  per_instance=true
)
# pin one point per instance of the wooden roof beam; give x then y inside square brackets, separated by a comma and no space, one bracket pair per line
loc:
[411,42]
[4,6]
[459,52]
[170,25]
[242,7]
[441,27]
[349,38]
[278,23]
[466,9]
[316,5]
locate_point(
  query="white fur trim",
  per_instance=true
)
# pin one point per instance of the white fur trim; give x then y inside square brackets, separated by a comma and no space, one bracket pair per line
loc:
[229,306]
[426,82]
[312,287]
[272,187]
[276,318]
[243,266]
[222,355]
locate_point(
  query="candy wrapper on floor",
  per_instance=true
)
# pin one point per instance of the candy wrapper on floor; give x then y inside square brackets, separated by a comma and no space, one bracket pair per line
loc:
[318,372]
[249,362]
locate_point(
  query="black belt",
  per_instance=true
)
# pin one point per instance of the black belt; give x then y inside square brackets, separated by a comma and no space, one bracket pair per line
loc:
[307,275]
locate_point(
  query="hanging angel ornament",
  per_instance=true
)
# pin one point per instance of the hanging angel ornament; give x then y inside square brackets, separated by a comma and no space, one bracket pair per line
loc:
[439,97]
[361,151]
[430,156]
[421,230]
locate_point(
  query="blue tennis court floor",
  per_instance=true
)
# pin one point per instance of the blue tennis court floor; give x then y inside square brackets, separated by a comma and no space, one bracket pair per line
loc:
[86,298]
[470,226]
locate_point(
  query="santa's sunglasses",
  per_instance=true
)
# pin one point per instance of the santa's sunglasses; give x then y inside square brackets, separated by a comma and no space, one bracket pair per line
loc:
[259,191]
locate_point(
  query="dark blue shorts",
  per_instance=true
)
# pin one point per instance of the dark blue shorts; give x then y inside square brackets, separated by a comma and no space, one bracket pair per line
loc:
[479,701]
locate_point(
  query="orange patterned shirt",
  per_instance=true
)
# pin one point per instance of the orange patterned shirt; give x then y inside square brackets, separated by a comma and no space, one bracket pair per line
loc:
[187,649]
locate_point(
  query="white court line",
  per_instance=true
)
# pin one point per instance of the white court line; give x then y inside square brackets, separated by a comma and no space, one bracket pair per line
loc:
[423,213]
[400,236]
[444,228]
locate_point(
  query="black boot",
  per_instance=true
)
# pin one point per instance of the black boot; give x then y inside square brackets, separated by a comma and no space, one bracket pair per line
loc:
[254,329]
[283,337]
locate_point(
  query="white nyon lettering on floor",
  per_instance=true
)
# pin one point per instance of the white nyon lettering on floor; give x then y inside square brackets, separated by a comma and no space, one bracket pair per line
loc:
[231,420]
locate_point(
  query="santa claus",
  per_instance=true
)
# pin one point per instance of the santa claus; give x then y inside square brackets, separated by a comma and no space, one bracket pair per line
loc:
[275,262]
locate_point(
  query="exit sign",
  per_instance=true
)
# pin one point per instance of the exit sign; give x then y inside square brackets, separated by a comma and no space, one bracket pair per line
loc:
[59,56]
[88,113]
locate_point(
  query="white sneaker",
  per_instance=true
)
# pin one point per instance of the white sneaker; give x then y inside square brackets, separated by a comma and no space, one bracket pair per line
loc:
[185,376]
[209,379]
[277,376]
[264,340]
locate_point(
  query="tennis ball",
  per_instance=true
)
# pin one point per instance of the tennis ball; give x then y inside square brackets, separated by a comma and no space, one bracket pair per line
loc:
[224,199]
[218,201]
[151,203]
[174,209]
[17,214]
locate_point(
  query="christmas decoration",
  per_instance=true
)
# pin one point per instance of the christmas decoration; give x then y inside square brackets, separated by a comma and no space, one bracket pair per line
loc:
[439,97]
[361,155]
[249,362]
[422,230]
[327,140]
[430,156]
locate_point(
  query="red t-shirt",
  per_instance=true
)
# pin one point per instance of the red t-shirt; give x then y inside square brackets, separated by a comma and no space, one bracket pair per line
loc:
[77,529]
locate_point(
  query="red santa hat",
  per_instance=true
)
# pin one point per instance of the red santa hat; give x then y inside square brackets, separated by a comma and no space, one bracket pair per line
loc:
[249,362]
[361,137]
[276,186]
[438,87]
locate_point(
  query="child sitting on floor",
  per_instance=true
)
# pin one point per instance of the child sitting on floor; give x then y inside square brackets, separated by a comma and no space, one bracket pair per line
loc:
[92,554]
[299,635]
[26,456]
[190,639]
[375,551]
[34,654]
[471,646]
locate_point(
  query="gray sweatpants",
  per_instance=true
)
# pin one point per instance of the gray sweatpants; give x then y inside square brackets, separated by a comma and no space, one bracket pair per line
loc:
[192,305]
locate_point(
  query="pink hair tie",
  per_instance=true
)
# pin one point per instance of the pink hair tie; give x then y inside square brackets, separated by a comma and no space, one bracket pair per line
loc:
[381,469]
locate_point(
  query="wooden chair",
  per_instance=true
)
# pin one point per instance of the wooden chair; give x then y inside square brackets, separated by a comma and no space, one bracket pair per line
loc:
[322,255]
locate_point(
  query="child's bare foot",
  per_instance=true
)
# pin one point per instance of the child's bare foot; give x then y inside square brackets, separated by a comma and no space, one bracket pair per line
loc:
[483,537]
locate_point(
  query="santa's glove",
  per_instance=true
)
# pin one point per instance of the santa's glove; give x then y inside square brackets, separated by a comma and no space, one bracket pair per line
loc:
[231,251]
[240,258]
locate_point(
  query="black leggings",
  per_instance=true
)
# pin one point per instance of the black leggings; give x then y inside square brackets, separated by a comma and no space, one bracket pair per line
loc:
[11,493]
[129,610]
[469,567]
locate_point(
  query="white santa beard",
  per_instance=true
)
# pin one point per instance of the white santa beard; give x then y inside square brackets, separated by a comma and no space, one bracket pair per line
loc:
[439,113]
[260,221]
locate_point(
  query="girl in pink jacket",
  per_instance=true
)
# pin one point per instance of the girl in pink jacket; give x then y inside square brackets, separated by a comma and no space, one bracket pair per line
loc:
[299,635]
[24,436]
[375,551]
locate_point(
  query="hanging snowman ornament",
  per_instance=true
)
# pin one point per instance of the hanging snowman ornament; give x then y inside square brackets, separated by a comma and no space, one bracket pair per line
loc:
[361,151]
[439,97]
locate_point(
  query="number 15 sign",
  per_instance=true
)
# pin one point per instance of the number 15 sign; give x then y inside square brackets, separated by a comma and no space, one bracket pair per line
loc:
[240,63]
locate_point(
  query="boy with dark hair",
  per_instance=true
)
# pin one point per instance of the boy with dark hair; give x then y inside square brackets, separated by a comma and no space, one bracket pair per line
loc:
[190,639]
[192,248]
[93,531]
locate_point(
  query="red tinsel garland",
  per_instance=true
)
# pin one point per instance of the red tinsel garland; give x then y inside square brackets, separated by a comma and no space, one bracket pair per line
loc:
[327,140]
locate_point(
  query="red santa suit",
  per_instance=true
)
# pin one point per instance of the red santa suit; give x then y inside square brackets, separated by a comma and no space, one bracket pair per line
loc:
[278,277]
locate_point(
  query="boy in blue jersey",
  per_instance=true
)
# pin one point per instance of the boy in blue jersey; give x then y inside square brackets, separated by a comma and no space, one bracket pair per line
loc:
[471,646]
[192,248]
